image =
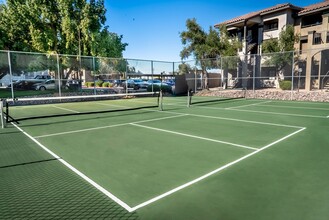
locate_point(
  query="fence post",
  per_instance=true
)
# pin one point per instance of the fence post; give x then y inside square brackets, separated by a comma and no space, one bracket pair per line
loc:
[59,78]
[2,116]
[222,72]
[253,76]
[11,76]
[292,76]
[94,70]
[152,72]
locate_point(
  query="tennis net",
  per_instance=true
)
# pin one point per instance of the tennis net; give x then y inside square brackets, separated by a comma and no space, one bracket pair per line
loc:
[21,109]
[204,99]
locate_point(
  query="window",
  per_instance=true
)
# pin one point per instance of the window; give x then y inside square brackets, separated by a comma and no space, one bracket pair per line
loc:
[311,20]
[303,43]
[317,38]
[327,41]
[271,25]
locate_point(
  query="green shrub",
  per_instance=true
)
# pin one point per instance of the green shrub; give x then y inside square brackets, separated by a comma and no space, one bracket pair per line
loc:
[99,83]
[156,88]
[105,84]
[89,84]
[285,85]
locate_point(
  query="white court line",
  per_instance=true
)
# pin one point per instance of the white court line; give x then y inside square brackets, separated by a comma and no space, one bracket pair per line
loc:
[174,104]
[241,106]
[273,113]
[105,104]
[211,173]
[194,136]
[295,107]
[277,113]
[107,193]
[245,121]
[66,109]
[128,208]
[169,112]
[148,110]
[301,102]
[108,126]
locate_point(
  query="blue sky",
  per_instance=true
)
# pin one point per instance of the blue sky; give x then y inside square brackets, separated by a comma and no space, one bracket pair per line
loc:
[152,27]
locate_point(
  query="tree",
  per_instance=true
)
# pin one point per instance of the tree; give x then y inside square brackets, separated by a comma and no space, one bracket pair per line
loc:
[184,68]
[229,49]
[109,44]
[201,45]
[59,27]
[229,44]
[280,51]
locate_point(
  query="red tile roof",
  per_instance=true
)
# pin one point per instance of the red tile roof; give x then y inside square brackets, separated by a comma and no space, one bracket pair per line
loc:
[314,7]
[257,13]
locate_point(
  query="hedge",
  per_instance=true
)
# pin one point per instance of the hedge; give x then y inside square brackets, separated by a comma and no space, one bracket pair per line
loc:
[285,85]
[156,88]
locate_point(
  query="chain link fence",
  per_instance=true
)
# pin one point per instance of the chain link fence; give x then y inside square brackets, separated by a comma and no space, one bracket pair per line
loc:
[34,74]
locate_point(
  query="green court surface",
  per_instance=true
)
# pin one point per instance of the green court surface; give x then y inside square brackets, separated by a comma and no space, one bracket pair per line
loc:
[227,160]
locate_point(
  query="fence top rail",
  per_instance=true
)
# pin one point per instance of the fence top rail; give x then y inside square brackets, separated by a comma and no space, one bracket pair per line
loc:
[173,62]
[83,56]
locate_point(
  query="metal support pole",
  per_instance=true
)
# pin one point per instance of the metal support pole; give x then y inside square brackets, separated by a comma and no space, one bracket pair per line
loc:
[126,79]
[292,76]
[152,72]
[254,75]
[173,68]
[161,100]
[195,79]
[59,78]
[188,98]
[94,70]
[11,76]
[2,116]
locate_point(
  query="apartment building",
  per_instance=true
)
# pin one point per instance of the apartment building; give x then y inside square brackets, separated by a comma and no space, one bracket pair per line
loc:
[311,24]
[253,28]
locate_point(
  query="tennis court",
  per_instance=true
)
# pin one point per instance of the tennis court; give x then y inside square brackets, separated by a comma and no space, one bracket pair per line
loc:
[230,159]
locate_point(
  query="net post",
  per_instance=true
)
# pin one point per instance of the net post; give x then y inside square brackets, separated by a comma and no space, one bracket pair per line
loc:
[188,98]
[7,112]
[160,100]
[2,115]
[244,93]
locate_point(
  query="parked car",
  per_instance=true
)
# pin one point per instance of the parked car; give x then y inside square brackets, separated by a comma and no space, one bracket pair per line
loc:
[73,84]
[42,77]
[119,82]
[115,82]
[156,82]
[23,85]
[135,84]
[170,82]
[49,84]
